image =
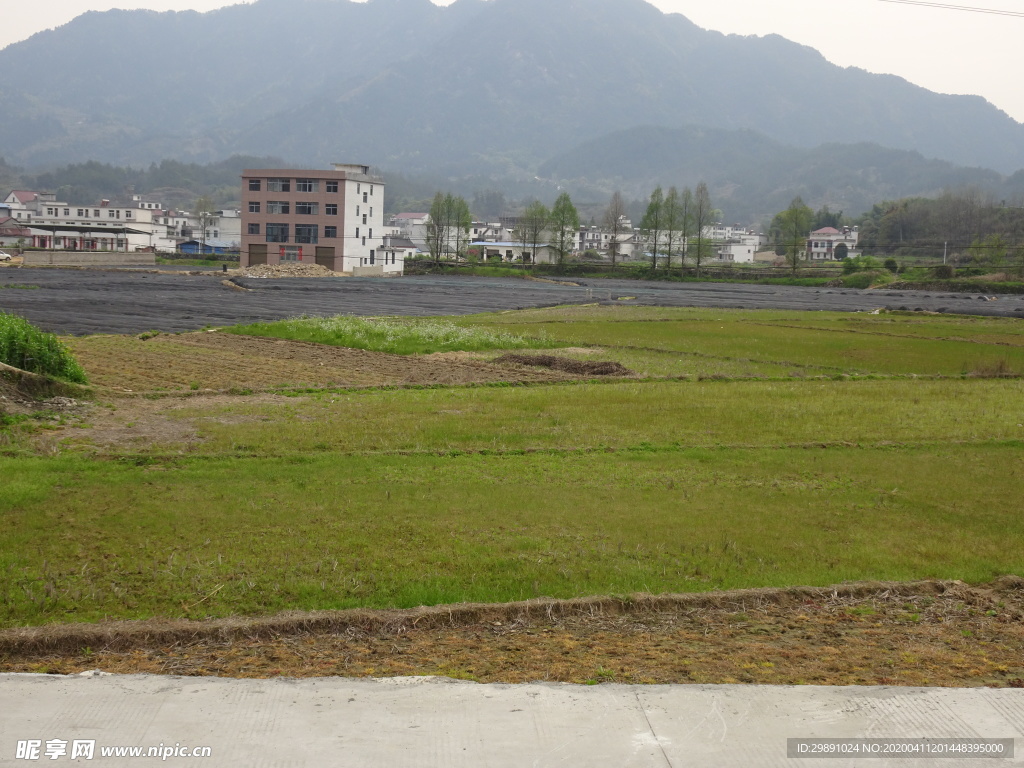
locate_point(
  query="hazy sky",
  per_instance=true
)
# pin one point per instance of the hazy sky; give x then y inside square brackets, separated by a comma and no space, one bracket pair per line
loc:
[944,50]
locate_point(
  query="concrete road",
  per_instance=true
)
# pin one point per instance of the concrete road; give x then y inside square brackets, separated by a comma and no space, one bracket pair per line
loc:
[434,722]
[121,301]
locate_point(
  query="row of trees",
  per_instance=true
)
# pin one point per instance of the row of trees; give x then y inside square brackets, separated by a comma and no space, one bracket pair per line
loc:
[962,225]
[672,221]
[450,221]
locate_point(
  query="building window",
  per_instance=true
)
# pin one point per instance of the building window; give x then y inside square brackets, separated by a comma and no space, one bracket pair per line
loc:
[67,211]
[96,213]
[110,214]
[254,185]
[332,186]
[307,185]
[128,215]
[370,234]
[357,233]
[365,199]
[307,209]
[371,189]
[279,185]
[49,211]
[278,206]
[81,212]
[364,218]
[291,253]
[254,229]
[254,207]
[372,257]
[331,209]
[306,233]
[277,233]
[330,233]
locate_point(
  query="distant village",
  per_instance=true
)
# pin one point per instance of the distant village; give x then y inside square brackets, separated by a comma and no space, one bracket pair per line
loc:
[335,218]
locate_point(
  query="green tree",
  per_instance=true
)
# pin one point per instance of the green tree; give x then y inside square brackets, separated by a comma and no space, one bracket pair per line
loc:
[672,220]
[702,219]
[825,218]
[653,224]
[794,226]
[564,224]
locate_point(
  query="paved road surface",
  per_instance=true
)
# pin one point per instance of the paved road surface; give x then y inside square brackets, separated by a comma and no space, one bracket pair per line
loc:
[119,301]
[432,722]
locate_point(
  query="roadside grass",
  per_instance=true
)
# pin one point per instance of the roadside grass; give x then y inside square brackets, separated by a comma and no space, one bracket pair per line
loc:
[595,416]
[86,540]
[394,335]
[24,346]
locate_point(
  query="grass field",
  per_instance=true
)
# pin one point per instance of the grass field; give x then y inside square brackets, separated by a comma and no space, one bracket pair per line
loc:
[818,448]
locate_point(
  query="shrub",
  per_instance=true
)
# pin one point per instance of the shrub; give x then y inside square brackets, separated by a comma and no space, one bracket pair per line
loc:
[892,266]
[24,346]
[944,272]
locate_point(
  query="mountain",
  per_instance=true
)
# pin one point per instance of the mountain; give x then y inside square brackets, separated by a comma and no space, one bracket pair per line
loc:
[752,177]
[479,88]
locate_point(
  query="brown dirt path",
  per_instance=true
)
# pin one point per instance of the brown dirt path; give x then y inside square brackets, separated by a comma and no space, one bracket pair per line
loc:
[919,634]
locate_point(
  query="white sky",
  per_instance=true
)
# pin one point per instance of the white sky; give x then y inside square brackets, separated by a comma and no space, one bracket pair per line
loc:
[943,50]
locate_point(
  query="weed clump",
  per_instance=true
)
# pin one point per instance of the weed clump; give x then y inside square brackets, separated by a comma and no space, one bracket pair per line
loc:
[24,346]
[386,334]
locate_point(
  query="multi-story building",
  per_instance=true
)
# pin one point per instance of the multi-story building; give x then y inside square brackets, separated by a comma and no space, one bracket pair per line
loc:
[823,244]
[333,218]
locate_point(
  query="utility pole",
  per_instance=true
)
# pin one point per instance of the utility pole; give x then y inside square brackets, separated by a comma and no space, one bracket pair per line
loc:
[945,247]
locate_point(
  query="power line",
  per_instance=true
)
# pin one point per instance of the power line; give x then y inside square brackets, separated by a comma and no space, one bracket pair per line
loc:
[950,7]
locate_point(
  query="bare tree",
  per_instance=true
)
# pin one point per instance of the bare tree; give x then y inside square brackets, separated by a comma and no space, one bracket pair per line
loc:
[702,219]
[614,223]
[205,214]
[532,225]
[685,226]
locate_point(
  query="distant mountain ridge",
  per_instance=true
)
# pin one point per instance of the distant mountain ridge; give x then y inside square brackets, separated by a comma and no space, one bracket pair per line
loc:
[752,176]
[493,90]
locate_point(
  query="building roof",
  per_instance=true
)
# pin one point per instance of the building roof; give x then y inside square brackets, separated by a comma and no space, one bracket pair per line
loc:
[529,246]
[52,228]
[826,231]
[399,242]
[11,227]
[24,196]
[213,242]
[411,215]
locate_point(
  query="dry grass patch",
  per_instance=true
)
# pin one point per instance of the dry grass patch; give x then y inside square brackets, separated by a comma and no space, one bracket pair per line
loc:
[926,633]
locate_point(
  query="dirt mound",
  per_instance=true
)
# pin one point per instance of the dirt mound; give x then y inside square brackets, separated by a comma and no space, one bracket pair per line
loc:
[283,270]
[567,365]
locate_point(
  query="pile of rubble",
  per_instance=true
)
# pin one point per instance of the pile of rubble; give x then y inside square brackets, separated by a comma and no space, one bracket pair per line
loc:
[284,270]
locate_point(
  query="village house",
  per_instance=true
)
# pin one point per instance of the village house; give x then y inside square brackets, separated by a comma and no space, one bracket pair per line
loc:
[824,244]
